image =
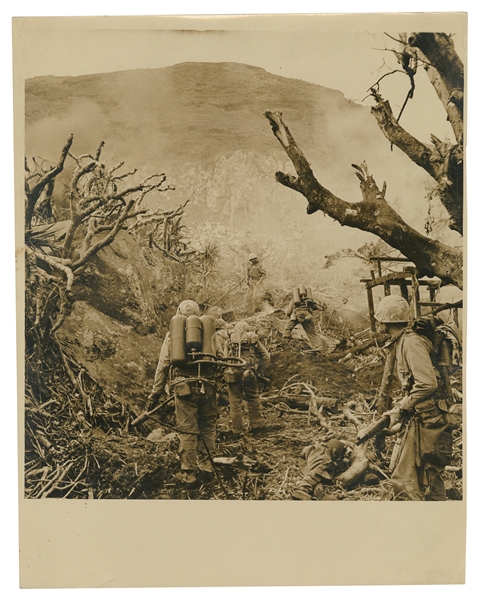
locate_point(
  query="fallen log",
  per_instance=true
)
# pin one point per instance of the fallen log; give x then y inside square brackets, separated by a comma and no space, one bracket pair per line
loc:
[359,466]
[377,340]
[299,402]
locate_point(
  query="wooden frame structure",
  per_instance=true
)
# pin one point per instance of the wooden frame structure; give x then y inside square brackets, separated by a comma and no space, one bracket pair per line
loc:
[408,283]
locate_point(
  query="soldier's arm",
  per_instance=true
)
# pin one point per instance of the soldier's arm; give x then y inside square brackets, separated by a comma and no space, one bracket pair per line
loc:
[290,308]
[161,374]
[416,353]
[263,357]
[316,304]
[218,343]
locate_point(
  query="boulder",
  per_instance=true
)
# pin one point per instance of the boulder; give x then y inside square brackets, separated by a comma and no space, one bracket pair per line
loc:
[120,283]
[114,354]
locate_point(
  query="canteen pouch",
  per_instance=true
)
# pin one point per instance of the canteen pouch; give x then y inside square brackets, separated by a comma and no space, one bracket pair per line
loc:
[182,389]
[435,445]
[229,376]
[428,413]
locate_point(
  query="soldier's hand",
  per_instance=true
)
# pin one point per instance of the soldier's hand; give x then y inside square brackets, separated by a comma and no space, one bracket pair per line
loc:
[405,404]
[152,401]
[394,416]
[426,326]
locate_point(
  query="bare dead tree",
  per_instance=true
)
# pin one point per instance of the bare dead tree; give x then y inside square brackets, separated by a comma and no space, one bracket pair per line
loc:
[101,202]
[443,162]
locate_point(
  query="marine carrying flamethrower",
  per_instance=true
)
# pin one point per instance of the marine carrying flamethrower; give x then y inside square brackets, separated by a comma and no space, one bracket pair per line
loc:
[191,344]
[301,294]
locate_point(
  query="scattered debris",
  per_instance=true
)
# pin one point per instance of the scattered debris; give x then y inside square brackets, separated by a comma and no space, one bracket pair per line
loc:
[80,442]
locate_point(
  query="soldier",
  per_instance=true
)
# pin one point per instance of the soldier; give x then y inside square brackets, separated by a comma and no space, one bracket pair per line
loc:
[300,312]
[426,441]
[195,404]
[254,279]
[222,333]
[243,382]
[320,464]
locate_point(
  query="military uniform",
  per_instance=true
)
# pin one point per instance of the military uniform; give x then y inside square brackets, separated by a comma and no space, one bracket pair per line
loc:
[243,383]
[320,463]
[426,442]
[195,405]
[303,315]
[254,279]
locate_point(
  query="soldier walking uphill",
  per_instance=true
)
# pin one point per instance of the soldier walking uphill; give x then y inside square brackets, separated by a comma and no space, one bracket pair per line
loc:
[254,279]
[243,382]
[194,388]
[421,415]
[300,312]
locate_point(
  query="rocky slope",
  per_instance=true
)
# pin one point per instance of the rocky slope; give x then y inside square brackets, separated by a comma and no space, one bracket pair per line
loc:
[203,125]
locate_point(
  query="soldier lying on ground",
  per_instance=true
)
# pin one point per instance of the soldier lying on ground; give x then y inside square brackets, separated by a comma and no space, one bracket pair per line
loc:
[320,464]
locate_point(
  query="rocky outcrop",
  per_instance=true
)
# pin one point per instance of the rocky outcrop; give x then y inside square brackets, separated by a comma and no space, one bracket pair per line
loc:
[119,283]
[123,304]
[118,358]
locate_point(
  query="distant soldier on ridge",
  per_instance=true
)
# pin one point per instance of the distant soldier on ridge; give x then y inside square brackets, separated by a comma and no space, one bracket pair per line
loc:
[254,279]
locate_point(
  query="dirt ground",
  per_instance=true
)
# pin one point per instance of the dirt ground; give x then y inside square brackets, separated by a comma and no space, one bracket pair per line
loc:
[105,457]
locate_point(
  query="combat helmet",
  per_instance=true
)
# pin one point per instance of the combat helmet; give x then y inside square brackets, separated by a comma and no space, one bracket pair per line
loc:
[393,309]
[188,308]
[240,332]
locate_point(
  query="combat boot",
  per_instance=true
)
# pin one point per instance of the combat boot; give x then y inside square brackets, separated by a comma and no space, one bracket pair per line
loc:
[303,492]
[186,477]
[205,472]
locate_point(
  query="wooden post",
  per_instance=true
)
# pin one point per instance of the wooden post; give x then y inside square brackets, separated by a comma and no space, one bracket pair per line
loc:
[403,288]
[415,296]
[444,364]
[371,308]
[383,400]
[455,312]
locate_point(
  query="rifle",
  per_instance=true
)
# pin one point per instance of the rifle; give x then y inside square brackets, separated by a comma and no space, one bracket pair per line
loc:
[371,430]
[230,290]
[147,414]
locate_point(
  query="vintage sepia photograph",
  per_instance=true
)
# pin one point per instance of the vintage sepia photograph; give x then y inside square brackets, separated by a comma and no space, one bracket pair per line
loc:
[240,276]
[243,261]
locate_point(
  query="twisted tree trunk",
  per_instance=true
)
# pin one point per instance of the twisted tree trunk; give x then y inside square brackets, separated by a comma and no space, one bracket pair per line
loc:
[443,161]
[373,214]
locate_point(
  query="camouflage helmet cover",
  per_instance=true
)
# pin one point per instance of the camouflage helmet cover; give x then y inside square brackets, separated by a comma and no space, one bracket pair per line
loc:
[215,311]
[188,308]
[252,256]
[241,328]
[393,309]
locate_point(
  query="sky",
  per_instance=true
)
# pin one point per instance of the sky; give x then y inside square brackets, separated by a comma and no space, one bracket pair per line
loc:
[338,52]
